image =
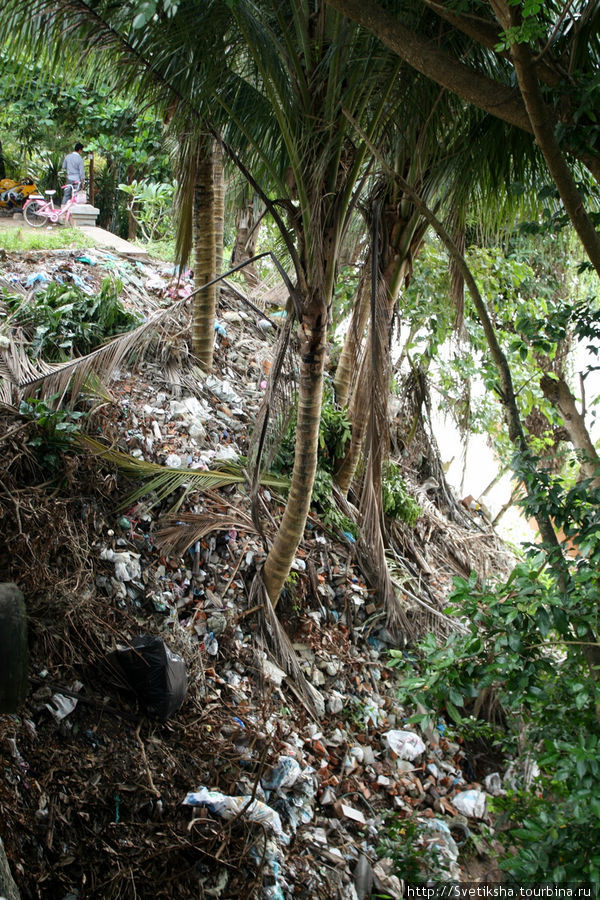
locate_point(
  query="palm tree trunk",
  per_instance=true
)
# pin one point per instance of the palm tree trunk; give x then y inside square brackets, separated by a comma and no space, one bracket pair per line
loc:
[313,331]
[219,187]
[204,240]
[246,239]
[347,363]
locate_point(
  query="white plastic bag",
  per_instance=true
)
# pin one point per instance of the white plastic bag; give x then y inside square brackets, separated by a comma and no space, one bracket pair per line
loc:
[470,803]
[405,744]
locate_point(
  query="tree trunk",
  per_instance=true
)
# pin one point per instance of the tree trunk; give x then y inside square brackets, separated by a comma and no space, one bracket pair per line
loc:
[557,392]
[313,332]
[219,182]
[543,128]
[204,240]
[246,239]
[2,163]
[350,355]
[132,225]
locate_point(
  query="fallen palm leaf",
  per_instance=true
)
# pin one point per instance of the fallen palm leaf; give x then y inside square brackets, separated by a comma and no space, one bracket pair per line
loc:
[164,480]
[178,536]
[283,651]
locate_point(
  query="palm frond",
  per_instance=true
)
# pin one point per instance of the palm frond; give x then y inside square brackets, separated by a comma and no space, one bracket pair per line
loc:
[163,480]
[276,639]
[19,376]
[180,533]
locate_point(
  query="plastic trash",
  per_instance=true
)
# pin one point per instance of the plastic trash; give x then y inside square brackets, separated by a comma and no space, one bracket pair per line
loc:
[61,706]
[37,278]
[363,878]
[470,803]
[436,835]
[405,744]
[283,775]
[229,807]
[155,673]
[493,784]
[127,565]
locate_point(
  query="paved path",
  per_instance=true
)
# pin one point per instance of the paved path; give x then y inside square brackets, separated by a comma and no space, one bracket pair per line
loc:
[101,238]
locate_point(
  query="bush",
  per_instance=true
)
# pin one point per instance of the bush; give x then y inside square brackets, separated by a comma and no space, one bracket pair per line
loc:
[63,321]
[397,502]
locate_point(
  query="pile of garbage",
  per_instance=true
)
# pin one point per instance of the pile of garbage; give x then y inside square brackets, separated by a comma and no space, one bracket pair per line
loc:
[162,744]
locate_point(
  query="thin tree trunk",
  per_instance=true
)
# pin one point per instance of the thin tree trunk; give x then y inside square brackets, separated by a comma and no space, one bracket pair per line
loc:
[246,239]
[556,390]
[350,354]
[545,136]
[204,235]
[132,225]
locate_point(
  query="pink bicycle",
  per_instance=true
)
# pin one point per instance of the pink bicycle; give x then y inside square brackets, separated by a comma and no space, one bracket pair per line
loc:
[38,212]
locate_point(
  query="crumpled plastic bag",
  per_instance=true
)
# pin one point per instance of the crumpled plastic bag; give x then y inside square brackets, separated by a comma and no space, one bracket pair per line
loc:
[229,807]
[470,803]
[405,744]
[283,775]
[156,674]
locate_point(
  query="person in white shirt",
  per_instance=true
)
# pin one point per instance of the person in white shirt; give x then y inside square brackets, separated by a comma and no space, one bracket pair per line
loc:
[73,166]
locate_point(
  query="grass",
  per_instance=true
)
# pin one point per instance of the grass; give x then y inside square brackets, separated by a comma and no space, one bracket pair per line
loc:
[58,238]
[163,250]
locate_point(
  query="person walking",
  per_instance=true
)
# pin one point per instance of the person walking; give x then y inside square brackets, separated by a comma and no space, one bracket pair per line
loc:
[73,166]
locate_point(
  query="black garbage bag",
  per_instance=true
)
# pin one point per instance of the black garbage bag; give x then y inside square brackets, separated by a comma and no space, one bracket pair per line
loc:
[13,648]
[155,674]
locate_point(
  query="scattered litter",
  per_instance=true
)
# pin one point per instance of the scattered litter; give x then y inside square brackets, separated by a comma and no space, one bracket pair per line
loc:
[156,674]
[470,803]
[405,744]
[229,807]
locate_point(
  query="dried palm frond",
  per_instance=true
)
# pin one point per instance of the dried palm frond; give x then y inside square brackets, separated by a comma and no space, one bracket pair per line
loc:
[281,647]
[431,619]
[20,376]
[164,480]
[179,534]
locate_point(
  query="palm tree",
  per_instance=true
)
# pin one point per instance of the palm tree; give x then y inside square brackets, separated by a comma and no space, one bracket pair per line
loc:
[565,52]
[273,79]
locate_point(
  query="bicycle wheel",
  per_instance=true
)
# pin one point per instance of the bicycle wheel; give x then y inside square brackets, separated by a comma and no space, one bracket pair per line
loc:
[32,215]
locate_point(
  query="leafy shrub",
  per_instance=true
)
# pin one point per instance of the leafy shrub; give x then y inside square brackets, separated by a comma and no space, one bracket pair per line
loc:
[54,432]
[523,646]
[63,321]
[397,502]
[151,205]
[334,433]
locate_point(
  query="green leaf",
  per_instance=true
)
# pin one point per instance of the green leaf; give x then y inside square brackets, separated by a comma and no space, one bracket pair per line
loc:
[453,713]
[456,698]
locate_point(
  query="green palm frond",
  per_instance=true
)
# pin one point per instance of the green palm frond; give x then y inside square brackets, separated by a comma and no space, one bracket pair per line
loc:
[163,480]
